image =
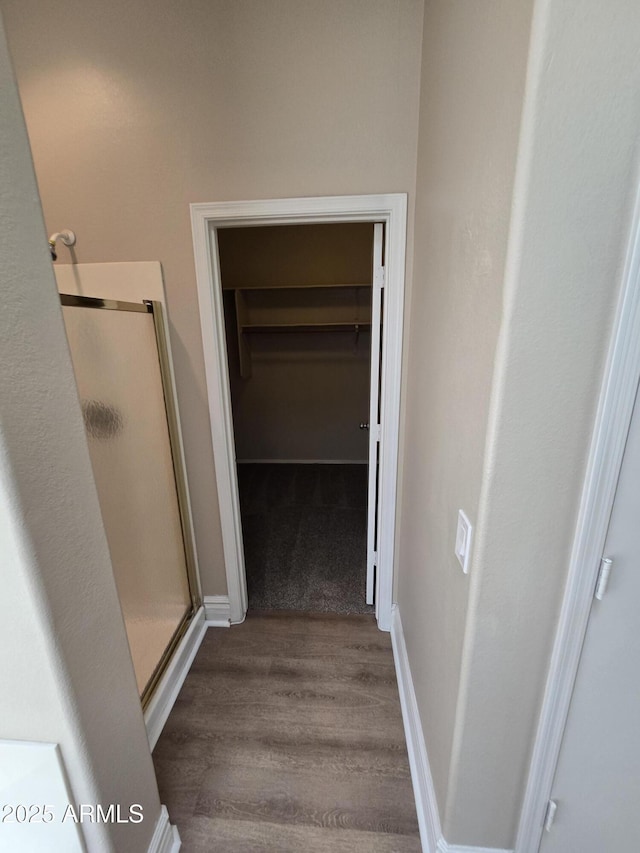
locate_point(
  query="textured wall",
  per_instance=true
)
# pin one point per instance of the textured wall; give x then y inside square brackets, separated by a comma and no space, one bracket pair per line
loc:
[473,71]
[575,185]
[65,667]
[136,109]
[514,287]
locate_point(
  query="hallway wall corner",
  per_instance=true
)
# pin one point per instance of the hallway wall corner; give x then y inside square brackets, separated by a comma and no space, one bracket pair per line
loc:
[426,803]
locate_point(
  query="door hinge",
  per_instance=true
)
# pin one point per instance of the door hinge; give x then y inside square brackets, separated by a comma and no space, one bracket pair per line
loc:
[375,558]
[377,432]
[381,276]
[603,577]
[550,814]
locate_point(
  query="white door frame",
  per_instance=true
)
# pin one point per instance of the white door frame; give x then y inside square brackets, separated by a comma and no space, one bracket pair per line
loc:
[205,219]
[613,418]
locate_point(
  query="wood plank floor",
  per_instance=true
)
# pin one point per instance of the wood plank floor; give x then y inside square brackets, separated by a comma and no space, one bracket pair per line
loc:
[287,737]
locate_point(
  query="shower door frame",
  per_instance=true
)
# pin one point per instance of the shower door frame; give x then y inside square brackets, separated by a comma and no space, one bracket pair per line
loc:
[156,310]
[389,209]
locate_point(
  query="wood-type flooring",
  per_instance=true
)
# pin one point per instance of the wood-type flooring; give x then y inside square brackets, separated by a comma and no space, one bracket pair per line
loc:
[287,737]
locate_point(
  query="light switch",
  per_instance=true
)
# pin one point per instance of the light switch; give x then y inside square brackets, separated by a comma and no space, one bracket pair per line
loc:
[463,541]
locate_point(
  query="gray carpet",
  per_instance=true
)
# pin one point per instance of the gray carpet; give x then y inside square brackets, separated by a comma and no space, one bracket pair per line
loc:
[305,536]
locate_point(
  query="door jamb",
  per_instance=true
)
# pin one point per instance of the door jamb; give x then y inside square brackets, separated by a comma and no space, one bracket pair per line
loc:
[613,418]
[391,209]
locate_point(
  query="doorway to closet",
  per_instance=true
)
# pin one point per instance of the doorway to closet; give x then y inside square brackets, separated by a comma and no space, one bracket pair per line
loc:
[302,310]
[388,213]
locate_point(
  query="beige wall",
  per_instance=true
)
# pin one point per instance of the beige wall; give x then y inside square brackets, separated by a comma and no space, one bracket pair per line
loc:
[134,110]
[473,70]
[515,349]
[576,182]
[65,667]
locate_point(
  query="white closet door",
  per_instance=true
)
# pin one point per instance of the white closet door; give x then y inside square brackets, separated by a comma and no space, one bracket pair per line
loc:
[597,784]
[374,411]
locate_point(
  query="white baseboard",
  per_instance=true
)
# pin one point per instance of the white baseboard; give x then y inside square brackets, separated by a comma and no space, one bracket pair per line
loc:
[431,836]
[443,847]
[301,461]
[165,838]
[217,611]
[214,614]
[424,792]
[166,693]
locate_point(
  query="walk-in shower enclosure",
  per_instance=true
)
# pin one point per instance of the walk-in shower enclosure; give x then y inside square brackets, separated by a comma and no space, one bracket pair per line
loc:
[120,361]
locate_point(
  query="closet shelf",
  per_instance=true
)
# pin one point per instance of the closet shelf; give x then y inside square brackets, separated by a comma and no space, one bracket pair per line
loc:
[266,328]
[298,312]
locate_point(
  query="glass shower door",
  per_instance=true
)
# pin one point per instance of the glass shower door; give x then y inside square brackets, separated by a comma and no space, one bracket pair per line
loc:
[118,372]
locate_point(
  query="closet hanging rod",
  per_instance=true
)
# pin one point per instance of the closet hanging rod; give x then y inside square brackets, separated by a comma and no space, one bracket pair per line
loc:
[267,328]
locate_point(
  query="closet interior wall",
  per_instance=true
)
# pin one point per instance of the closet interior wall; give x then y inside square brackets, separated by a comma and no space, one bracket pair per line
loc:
[298,313]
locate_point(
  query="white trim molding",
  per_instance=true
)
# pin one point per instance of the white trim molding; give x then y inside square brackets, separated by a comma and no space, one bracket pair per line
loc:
[217,611]
[166,693]
[166,838]
[424,792]
[605,459]
[302,461]
[431,836]
[443,847]
[391,209]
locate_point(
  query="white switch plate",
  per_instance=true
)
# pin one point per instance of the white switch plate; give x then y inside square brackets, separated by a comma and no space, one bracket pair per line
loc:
[463,541]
